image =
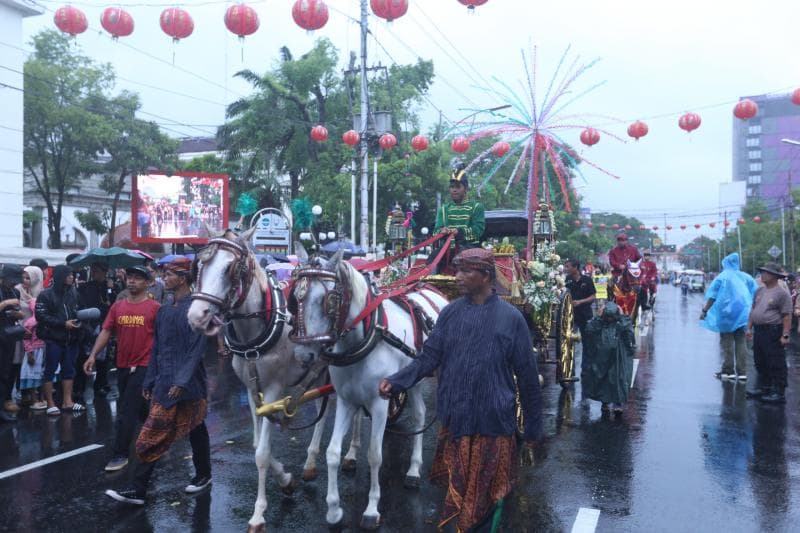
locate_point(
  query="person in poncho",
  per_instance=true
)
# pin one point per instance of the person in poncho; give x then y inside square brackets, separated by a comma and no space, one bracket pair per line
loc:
[479,344]
[728,302]
[606,373]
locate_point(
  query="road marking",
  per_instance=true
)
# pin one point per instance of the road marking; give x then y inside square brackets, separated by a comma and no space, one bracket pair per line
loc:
[48,460]
[586,521]
[635,367]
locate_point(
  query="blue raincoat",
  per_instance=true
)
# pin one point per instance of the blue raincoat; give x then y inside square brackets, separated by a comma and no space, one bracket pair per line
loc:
[732,292]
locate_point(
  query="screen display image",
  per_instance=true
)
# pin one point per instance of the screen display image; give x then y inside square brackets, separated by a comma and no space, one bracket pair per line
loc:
[179,208]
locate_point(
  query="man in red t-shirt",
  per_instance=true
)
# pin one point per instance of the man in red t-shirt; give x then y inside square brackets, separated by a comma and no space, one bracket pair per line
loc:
[649,279]
[132,321]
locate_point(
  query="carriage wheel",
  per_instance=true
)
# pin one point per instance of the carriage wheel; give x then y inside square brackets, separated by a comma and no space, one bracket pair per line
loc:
[565,342]
[397,402]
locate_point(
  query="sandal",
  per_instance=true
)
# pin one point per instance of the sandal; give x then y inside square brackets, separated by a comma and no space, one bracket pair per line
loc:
[75,408]
[53,411]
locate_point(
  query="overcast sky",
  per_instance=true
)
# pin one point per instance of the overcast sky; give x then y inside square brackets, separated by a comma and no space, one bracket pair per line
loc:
[658,60]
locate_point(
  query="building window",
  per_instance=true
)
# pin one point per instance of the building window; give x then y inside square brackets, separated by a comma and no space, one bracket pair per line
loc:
[749,192]
[755,167]
[755,179]
[755,129]
[754,154]
[753,142]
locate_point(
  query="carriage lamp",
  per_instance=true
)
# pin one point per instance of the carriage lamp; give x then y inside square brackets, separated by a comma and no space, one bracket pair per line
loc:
[322,236]
[424,231]
[331,235]
[305,236]
[316,210]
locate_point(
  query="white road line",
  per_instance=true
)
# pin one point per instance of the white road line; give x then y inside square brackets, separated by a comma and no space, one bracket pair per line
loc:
[635,367]
[48,460]
[586,521]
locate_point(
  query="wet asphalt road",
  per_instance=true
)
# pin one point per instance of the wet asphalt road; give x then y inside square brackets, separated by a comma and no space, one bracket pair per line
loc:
[689,454]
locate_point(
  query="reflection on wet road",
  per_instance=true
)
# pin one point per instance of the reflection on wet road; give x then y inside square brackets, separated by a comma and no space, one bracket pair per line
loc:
[690,453]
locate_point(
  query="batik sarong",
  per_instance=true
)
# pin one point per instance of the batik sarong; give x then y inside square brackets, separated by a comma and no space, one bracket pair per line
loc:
[166,425]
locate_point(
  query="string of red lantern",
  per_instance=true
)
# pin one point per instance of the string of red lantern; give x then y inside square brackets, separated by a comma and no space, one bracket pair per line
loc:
[241,20]
[310,14]
[387,141]
[689,122]
[590,136]
[70,20]
[389,9]
[472,4]
[319,133]
[745,110]
[117,22]
[177,23]
[796,96]
[351,137]
[419,143]
[460,145]
[638,129]
[500,148]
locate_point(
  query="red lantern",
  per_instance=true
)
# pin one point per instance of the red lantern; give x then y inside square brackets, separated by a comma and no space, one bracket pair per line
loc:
[590,136]
[500,148]
[589,225]
[697,226]
[637,130]
[117,22]
[460,145]
[577,223]
[669,227]
[742,221]
[796,96]
[319,133]
[615,226]
[70,20]
[389,9]
[310,14]
[627,227]
[689,122]
[757,220]
[241,20]
[472,4]
[683,226]
[387,141]
[602,226]
[712,224]
[726,223]
[642,227]
[419,143]
[745,109]
[176,23]
[351,137]
[655,228]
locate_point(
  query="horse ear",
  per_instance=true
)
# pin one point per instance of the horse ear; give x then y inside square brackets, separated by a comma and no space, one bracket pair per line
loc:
[300,252]
[209,232]
[335,261]
[247,236]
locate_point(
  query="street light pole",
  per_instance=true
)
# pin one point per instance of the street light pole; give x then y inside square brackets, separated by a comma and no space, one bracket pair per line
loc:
[364,228]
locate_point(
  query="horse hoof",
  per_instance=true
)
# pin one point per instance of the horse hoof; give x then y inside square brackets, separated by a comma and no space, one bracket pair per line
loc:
[260,528]
[288,490]
[411,482]
[338,526]
[370,523]
[310,474]
[349,465]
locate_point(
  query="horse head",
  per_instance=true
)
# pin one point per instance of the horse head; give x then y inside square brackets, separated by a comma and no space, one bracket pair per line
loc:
[225,270]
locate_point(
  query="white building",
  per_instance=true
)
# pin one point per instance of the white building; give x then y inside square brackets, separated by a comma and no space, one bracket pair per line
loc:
[11,120]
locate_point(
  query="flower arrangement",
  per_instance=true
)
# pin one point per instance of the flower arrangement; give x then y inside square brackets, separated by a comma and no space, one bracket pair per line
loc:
[546,281]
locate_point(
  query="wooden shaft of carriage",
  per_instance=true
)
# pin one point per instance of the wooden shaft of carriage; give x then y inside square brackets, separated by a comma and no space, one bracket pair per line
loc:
[279,406]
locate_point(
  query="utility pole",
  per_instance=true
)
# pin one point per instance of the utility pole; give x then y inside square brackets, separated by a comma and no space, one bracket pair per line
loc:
[364,228]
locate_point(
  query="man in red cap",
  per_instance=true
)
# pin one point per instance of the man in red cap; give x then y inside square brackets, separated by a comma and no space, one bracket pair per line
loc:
[649,279]
[619,255]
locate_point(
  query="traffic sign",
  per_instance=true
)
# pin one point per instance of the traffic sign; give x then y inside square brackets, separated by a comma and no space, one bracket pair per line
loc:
[774,252]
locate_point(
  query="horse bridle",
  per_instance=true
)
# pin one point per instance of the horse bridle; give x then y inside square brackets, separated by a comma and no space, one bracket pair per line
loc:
[240,274]
[335,304]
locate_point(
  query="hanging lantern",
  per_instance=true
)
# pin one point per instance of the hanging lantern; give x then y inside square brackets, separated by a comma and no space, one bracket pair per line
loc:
[742,221]
[460,145]
[683,226]
[669,227]
[627,227]
[500,148]
[70,20]
[419,143]
[757,219]
[689,122]
[615,226]
[310,14]
[712,224]
[319,133]
[241,20]
[577,223]
[642,227]
[472,4]
[726,223]
[117,22]
[389,9]
[796,96]
[590,136]
[176,23]
[655,228]
[589,225]
[745,109]
[351,137]
[637,130]
[697,226]
[387,141]
[602,226]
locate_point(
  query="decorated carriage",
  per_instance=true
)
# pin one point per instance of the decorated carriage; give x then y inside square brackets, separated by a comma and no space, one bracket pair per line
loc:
[532,282]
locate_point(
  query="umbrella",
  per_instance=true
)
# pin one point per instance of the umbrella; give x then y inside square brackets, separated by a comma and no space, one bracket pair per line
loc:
[169,258]
[347,246]
[114,257]
[143,254]
[283,271]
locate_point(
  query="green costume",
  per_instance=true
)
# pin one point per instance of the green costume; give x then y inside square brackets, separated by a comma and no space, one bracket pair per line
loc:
[468,216]
[607,366]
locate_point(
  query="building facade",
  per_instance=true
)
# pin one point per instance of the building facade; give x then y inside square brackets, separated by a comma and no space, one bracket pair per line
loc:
[11,120]
[769,167]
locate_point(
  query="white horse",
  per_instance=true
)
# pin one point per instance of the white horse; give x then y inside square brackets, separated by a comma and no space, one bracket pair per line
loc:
[232,286]
[329,296]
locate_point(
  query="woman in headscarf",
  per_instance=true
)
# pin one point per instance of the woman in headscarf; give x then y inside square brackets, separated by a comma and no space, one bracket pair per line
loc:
[29,358]
[29,289]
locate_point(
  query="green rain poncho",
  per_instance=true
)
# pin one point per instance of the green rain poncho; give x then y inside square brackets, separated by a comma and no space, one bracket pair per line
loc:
[608,349]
